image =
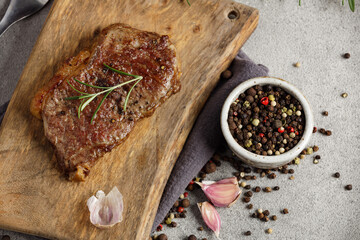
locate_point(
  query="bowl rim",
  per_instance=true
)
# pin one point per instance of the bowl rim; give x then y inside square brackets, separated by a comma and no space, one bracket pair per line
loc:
[255,158]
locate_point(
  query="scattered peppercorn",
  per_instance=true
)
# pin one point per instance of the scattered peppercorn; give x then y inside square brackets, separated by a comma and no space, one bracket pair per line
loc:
[226,74]
[173,224]
[5,237]
[260,215]
[269,231]
[249,194]
[315,161]
[200,228]
[190,187]
[314,129]
[168,221]
[246,199]
[337,175]
[285,211]
[185,203]
[309,151]
[162,237]
[210,167]
[297,64]
[192,237]
[159,228]
[247,233]
[348,187]
[316,148]
[203,175]
[243,184]
[272,176]
[291,177]
[346,55]
[344,95]
[276,188]
[266,212]
[267,189]
[257,189]
[274,217]
[249,206]
[328,133]
[325,113]
[247,187]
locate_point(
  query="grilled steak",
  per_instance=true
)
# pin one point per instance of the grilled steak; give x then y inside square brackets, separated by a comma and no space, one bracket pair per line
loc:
[79,143]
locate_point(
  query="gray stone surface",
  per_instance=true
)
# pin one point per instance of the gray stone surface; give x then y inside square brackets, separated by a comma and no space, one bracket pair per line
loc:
[315,34]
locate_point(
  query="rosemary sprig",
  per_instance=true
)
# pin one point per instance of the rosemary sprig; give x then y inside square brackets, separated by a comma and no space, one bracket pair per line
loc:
[188,2]
[87,98]
[352,5]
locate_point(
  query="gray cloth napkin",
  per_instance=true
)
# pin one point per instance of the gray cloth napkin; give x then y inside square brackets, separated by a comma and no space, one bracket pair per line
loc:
[205,137]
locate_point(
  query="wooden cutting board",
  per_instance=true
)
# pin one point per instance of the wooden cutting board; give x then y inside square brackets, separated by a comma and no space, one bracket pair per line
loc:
[34,197]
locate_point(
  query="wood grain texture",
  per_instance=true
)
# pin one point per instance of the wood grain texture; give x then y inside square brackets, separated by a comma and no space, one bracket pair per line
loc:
[34,197]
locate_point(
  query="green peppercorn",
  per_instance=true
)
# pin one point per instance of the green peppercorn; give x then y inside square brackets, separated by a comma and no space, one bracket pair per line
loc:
[168,221]
[255,122]
[246,104]
[248,143]
[309,151]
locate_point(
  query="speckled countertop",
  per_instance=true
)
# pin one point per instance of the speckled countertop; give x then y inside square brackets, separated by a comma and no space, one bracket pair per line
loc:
[316,35]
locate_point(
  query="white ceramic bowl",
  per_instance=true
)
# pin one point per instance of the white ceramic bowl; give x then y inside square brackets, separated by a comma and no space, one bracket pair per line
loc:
[260,161]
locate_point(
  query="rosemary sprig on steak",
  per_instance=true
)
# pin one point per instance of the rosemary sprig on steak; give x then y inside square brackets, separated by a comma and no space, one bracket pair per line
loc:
[87,97]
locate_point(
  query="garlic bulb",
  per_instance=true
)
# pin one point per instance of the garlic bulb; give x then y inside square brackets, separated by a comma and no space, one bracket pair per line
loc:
[106,210]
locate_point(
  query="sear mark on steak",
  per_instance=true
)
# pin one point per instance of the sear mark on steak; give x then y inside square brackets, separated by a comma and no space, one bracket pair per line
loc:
[78,143]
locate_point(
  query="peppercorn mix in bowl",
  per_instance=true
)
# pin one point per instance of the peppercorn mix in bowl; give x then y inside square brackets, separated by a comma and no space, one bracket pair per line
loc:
[266,122]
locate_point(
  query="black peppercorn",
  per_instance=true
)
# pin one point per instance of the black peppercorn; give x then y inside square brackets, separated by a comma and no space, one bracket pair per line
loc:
[347,55]
[226,74]
[192,237]
[249,194]
[246,199]
[210,167]
[247,233]
[276,188]
[162,237]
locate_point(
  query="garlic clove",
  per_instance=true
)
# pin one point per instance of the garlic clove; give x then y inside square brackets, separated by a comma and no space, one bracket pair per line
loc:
[106,210]
[210,216]
[232,180]
[223,193]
